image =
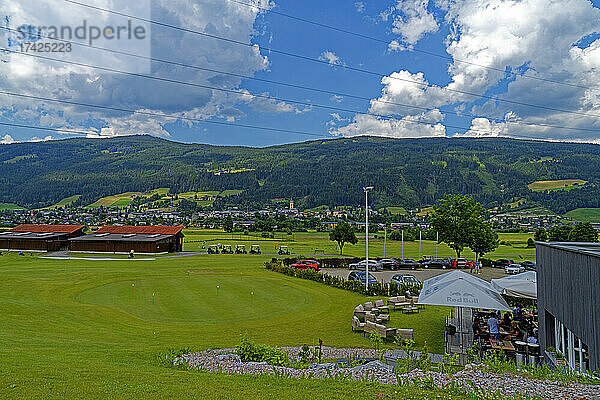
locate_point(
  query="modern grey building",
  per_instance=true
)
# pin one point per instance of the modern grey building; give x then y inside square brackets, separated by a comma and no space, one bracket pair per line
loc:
[568,285]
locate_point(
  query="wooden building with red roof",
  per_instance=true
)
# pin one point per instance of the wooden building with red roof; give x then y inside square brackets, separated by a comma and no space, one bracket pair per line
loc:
[31,237]
[124,239]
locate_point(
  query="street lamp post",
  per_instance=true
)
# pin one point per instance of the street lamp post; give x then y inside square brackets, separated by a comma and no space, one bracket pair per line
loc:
[367,189]
[384,239]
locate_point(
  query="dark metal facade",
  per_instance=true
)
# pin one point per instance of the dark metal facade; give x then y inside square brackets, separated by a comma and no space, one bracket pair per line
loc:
[568,279]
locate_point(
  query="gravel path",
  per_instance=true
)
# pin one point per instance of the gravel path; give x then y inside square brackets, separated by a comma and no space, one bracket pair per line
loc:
[228,362]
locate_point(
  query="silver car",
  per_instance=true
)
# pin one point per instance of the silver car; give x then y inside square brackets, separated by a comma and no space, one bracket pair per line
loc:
[512,269]
[361,266]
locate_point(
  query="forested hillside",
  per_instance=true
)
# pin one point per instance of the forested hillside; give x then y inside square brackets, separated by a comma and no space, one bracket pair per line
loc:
[407,172]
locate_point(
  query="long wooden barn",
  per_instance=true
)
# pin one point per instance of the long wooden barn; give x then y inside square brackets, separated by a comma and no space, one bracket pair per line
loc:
[124,239]
[30,237]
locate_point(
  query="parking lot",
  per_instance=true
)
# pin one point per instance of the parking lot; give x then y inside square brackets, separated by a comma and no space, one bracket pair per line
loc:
[421,274]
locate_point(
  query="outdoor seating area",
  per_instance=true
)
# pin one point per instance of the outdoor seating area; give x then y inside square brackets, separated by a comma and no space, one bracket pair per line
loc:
[493,330]
[482,317]
[371,316]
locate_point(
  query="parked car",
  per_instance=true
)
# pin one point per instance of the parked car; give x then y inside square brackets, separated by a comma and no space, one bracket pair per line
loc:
[306,264]
[408,264]
[405,279]
[461,263]
[360,276]
[436,263]
[361,266]
[529,265]
[514,269]
[389,263]
[502,263]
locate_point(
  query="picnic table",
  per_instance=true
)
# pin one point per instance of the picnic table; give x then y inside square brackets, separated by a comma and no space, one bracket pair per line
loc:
[504,345]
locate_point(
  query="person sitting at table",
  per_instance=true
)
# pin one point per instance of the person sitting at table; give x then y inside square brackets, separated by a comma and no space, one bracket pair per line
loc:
[506,321]
[514,331]
[531,338]
[493,325]
[518,314]
[476,329]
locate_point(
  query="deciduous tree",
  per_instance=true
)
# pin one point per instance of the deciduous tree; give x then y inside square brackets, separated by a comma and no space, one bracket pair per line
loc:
[342,234]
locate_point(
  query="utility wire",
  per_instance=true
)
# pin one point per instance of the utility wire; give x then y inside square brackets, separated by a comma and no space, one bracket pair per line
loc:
[155,114]
[365,71]
[236,92]
[329,92]
[430,53]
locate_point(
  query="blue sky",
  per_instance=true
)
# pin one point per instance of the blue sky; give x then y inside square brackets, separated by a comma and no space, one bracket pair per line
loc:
[556,41]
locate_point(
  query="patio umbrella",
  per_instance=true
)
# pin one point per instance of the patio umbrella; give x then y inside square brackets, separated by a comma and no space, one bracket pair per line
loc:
[521,285]
[456,274]
[459,289]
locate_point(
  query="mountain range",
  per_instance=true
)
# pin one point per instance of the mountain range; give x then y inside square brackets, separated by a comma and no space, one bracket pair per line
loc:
[404,172]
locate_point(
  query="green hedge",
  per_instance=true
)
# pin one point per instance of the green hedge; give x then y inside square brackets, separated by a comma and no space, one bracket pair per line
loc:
[331,262]
[375,289]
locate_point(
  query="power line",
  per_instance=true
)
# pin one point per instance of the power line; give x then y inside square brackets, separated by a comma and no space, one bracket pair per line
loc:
[44,128]
[365,71]
[430,53]
[155,114]
[311,88]
[244,94]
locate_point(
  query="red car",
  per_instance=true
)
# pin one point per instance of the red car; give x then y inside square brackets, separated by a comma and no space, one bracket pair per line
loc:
[306,264]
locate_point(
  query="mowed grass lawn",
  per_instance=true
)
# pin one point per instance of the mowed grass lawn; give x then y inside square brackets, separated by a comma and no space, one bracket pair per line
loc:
[305,243]
[91,329]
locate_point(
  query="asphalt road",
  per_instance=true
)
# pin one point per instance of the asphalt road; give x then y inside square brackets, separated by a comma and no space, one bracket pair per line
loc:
[421,274]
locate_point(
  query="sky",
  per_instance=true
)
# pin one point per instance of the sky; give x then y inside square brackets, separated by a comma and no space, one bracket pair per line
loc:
[225,72]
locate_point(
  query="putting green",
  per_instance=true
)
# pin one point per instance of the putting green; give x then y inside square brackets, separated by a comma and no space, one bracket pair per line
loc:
[194,299]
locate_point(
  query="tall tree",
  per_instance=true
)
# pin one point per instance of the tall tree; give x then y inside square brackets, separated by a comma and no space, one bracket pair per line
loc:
[456,218]
[342,234]
[541,235]
[228,224]
[484,239]
[583,233]
[559,233]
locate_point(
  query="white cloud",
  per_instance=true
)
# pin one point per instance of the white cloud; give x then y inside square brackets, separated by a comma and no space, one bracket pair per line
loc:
[336,98]
[330,57]
[43,139]
[542,37]
[268,105]
[365,124]
[7,139]
[27,75]
[411,21]
[360,7]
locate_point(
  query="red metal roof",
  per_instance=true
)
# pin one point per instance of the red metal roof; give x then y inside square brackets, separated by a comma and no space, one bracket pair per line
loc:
[162,230]
[47,228]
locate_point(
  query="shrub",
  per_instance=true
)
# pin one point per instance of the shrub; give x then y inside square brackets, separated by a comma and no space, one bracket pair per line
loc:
[250,351]
[375,289]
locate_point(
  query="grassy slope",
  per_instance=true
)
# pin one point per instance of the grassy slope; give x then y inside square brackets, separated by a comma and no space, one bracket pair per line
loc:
[64,202]
[561,184]
[77,329]
[585,214]
[9,206]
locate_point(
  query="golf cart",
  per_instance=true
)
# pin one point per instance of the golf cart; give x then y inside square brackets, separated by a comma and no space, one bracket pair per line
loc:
[226,249]
[213,249]
[284,250]
[240,249]
[255,249]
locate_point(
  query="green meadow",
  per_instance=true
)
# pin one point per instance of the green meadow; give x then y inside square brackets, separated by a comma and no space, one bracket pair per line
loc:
[96,328]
